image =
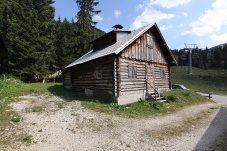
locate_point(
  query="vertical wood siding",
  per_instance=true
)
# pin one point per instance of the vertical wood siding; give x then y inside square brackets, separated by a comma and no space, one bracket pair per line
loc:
[139,50]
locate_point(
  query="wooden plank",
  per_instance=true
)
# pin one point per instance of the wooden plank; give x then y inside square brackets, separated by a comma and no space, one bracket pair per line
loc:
[133,50]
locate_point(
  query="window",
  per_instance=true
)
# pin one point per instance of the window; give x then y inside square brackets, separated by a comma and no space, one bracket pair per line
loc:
[132,71]
[98,73]
[149,41]
[162,74]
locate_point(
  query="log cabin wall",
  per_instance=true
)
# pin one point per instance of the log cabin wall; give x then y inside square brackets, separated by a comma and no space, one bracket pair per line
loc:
[139,61]
[96,75]
[67,78]
[130,82]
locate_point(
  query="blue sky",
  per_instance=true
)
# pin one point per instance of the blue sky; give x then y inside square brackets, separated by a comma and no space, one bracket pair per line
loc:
[201,22]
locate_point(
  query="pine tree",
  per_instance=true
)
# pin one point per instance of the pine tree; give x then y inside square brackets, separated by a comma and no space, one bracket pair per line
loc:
[65,43]
[18,38]
[29,37]
[86,24]
[3,50]
[45,37]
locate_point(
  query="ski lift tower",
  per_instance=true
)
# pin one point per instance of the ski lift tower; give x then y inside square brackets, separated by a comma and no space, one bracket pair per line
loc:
[190,47]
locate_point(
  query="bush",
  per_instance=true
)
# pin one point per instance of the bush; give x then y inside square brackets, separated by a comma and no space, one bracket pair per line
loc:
[171,98]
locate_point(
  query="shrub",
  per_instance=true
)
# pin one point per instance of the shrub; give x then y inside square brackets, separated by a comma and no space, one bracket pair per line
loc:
[171,98]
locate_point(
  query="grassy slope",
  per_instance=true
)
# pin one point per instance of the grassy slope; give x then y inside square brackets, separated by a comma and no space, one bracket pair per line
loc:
[210,81]
[13,88]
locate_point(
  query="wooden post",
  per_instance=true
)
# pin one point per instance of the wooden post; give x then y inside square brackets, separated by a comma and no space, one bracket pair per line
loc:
[4,77]
[115,76]
[210,96]
[146,78]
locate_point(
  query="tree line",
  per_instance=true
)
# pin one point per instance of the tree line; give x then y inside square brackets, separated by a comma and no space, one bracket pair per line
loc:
[208,58]
[34,45]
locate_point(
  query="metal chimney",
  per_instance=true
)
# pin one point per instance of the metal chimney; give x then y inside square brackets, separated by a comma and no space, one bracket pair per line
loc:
[117,27]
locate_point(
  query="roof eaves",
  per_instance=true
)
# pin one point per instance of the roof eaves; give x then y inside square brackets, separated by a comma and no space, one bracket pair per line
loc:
[76,61]
[167,47]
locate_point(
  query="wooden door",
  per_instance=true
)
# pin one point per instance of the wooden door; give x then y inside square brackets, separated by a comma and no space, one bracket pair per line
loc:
[150,78]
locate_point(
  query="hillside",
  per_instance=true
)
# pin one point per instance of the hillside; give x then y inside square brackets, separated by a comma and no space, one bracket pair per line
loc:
[211,81]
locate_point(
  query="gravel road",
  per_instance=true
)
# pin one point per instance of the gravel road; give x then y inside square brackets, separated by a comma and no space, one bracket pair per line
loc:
[67,126]
[220,99]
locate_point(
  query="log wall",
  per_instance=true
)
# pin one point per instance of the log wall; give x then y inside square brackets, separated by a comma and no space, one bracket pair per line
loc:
[161,82]
[128,85]
[67,78]
[96,74]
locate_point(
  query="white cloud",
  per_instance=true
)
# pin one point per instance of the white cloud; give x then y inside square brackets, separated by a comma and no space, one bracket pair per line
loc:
[97,18]
[185,14]
[199,31]
[211,22]
[117,13]
[181,25]
[150,15]
[139,7]
[220,38]
[169,3]
[165,27]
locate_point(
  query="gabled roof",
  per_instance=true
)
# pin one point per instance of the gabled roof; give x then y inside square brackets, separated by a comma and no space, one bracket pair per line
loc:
[120,45]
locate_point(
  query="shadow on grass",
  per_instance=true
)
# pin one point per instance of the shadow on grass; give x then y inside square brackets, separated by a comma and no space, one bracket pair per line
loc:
[215,137]
[67,94]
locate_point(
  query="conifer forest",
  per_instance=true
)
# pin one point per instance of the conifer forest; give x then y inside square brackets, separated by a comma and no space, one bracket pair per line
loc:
[34,45]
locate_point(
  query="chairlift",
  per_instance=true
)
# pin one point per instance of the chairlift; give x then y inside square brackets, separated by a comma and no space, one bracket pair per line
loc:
[210,56]
[195,56]
[183,57]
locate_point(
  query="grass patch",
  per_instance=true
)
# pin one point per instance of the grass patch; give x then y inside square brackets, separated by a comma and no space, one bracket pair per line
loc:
[27,139]
[176,99]
[6,114]
[60,105]
[210,81]
[37,109]
[15,119]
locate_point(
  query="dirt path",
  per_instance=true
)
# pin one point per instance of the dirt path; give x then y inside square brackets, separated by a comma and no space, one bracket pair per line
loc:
[220,99]
[54,124]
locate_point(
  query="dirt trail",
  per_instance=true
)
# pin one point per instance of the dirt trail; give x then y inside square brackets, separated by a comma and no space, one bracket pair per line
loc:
[62,126]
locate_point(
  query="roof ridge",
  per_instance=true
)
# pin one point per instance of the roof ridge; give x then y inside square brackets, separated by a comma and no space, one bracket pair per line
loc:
[112,49]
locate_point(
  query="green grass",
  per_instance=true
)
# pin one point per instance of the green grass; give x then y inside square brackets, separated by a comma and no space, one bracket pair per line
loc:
[27,139]
[36,109]
[210,81]
[14,87]
[176,99]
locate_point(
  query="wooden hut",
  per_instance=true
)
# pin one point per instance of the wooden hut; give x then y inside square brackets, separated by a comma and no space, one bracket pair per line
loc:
[123,66]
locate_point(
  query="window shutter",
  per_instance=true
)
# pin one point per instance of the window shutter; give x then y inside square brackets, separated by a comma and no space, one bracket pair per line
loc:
[132,71]
[149,41]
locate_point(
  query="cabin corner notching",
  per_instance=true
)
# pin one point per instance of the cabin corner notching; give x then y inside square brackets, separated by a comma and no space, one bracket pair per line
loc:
[121,69]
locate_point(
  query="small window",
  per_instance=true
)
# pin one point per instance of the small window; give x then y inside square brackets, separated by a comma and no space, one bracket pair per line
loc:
[132,71]
[98,73]
[81,75]
[162,74]
[149,41]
